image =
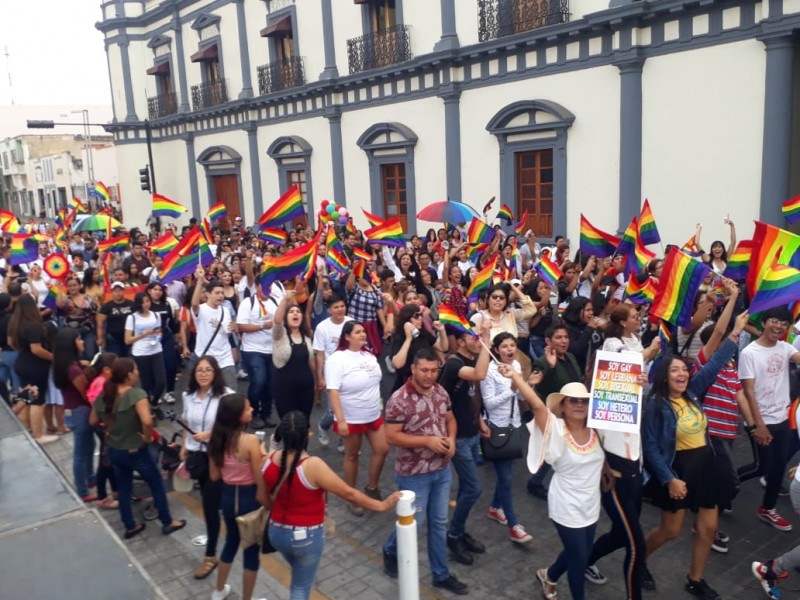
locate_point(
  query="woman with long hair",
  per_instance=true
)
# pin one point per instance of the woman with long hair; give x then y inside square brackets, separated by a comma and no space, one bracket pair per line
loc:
[717,258]
[365,304]
[501,404]
[410,336]
[143,335]
[129,429]
[79,311]
[39,287]
[353,378]
[92,286]
[69,377]
[200,405]
[622,333]
[292,359]
[97,374]
[582,327]
[235,458]
[26,335]
[298,510]
[539,292]
[165,309]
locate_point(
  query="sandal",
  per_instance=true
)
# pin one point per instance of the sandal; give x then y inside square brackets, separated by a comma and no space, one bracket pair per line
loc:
[205,568]
[172,528]
[548,587]
[129,533]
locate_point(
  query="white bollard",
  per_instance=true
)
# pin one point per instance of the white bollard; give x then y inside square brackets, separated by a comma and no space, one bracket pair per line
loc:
[407,559]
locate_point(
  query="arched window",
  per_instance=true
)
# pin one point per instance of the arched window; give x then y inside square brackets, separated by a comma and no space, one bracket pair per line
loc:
[390,150]
[292,154]
[532,135]
[223,176]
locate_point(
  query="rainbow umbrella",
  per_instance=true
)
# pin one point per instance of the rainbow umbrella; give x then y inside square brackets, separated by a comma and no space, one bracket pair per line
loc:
[56,266]
[97,223]
[447,211]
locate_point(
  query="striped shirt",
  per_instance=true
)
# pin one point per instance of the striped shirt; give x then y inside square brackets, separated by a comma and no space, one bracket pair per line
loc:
[720,405]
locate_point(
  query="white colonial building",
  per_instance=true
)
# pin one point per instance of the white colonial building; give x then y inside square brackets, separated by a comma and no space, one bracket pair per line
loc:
[555,106]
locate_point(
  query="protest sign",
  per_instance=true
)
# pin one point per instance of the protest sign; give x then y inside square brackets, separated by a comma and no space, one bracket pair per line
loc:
[616,402]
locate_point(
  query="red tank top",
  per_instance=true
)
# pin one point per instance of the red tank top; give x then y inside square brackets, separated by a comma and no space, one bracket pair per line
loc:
[299,504]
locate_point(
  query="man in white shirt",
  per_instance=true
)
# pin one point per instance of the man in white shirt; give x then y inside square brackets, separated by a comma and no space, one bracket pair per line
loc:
[326,340]
[213,323]
[254,321]
[764,373]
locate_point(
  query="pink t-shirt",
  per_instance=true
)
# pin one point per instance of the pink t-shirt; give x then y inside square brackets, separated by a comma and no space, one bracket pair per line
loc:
[95,388]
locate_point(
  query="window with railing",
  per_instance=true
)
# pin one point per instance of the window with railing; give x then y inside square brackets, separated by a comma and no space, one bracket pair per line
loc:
[162,105]
[208,94]
[500,18]
[282,75]
[379,49]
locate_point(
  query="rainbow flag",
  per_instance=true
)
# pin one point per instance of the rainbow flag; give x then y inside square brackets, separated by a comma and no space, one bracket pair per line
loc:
[117,244]
[287,208]
[665,335]
[548,270]
[76,205]
[101,192]
[505,214]
[8,221]
[680,281]
[481,280]
[739,261]
[596,242]
[217,212]
[642,256]
[640,292]
[183,259]
[299,262]
[519,226]
[51,300]
[487,207]
[388,233]
[349,227]
[335,257]
[373,220]
[360,269]
[24,249]
[273,236]
[516,262]
[628,241]
[479,232]
[449,317]
[163,245]
[791,210]
[690,248]
[205,229]
[164,207]
[779,286]
[647,225]
[474,250]
[359,252]
[60,237]
[769,243]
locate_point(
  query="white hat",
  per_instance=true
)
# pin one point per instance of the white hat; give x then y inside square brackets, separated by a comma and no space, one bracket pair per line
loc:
[117,284]
[570,390]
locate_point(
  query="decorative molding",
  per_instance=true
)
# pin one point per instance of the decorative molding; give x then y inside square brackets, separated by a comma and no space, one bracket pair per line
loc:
[206,20]
[159,40]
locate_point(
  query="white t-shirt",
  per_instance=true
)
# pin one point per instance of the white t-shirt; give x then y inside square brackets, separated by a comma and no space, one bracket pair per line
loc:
[768,367]
[253,311]
[625,344]
[206,322]
[499,398]
[137,324]
[573,499]
[327,334]
[357,377]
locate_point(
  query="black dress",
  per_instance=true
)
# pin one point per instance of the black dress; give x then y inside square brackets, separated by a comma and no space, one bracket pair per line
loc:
[293,384]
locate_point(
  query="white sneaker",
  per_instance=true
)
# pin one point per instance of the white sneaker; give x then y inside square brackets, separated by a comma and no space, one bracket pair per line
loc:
[169,398]
[323,436]
[221,595]
[340,446]
[49,439]
[593,575]
[241,374]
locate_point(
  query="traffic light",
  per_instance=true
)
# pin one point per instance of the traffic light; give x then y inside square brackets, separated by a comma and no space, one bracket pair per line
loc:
[40,124]
[144,178]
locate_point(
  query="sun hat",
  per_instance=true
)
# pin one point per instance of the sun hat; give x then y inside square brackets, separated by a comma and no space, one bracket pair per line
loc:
[570,390]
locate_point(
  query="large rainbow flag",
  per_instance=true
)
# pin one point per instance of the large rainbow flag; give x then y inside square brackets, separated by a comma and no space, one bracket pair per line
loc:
[770,245]
[779,286]
[448,316]
[299,262]
[482,280]
[548,270]
[596,242]
[24,249]
[388,233]
[182,260]
[680,281]
[164,207]
[479,232]
[163,245]
[287,208]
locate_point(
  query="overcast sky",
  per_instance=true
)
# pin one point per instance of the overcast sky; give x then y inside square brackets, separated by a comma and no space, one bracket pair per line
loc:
[56,54]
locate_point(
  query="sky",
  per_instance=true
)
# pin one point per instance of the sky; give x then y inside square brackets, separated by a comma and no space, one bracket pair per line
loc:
[56,54]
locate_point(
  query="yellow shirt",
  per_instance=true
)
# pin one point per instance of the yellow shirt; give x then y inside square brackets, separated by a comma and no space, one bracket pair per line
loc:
[692,424]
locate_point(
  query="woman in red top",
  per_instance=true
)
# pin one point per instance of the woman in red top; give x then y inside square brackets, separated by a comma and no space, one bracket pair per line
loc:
[298,512]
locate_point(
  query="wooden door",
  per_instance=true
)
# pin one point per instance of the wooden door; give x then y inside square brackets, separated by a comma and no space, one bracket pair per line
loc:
[298,178]
[534,189]
[226,189]
[393,184]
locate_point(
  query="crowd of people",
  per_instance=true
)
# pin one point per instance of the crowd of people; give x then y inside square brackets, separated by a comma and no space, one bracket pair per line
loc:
[112,345]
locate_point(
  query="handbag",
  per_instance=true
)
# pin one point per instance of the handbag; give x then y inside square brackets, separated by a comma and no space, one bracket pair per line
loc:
[197,465]
[505,443]
[253,525]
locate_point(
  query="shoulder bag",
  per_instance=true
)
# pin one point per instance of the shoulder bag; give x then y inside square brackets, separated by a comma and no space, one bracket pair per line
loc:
[506,443]
[214,335]
[253,525]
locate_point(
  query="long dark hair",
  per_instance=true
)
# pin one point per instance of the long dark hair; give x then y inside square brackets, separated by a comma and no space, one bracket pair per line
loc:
[65,354]
[138,301]
[293,432]
[99,362]
[499,339]
[25,311]
[303,328]
[404,316]
[120,369]
[88,277]
[217,383]
[660,390]
[573,314]
[723,257]
[227,427]
[620,313]
[347,329]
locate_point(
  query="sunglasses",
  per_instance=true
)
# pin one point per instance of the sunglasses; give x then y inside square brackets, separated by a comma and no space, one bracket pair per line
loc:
[416,316]
[577,401]
[497,297]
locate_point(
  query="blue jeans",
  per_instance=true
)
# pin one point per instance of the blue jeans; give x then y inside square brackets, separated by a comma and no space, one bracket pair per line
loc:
[537,345]
[259,391]
[83,449]
[326,421]
[141,461]
[502,490]
[432,501]
[246,502]
[89,344]
[8,358]
[574,558]
[469,484]
[303,555]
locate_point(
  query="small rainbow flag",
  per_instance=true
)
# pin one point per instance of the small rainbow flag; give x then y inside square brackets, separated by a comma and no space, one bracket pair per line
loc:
[628,241]
[217,212]
[640,292]
[487,207]
[690,248]
[516,262]
[505,214]
[101,192]
[739,261]
[51,300]
[24,249]
[479,232]
[665,335]
[373,220]
[117,244]
[76,205]
[519,226]
[335,257]
[359,252]
[641,255]
[780,286]
[596,242]
[388,233]
[349,227]
[360,269]
[548,270]
[791,209]
[164,207]
[680,281]
[482,279]
[273,236]
[60,237]
[205,230]
[647,225]
[474,250]
[299,262]
[287,208]
[163,245]
[449,317]
[182,260]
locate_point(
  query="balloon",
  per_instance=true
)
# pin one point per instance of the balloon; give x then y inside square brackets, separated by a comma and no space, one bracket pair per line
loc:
[342,220]
[330,208]
[343,211]
[324,203]
[335,216]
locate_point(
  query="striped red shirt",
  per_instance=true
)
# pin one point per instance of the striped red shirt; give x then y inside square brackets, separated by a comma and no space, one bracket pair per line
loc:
[720,405]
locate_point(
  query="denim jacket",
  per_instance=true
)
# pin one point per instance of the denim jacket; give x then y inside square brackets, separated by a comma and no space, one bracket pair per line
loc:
[659,432]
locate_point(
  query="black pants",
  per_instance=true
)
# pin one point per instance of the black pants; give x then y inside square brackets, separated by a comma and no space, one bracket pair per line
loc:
[211,494]
[152,375]
[623,505]
[770,461]
[728,477]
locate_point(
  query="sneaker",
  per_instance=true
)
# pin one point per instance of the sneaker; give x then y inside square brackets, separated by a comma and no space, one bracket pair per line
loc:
[47,439]
[473,545]
[453,585]
[593,575]
[719,544]
[458,547]
[497,514]
[772,517]
[768,578]
[519,535]
[537,491]
[169,398]
[323,437]
[241,374]
[340,446]
[221,595]
[373,493]
[355,510]
[763,481]
[648,581]
[701,589]
[390,564]
[723,537]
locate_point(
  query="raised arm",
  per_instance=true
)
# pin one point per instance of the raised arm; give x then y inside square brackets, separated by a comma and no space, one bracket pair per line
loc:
[539,408]
[724,319]
[732,244]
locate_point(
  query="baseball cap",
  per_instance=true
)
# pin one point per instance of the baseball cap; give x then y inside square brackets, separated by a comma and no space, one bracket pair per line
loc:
[117,284]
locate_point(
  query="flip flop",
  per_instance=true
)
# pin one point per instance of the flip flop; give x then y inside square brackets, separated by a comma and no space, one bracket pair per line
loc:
[129,533]
[167,529]
[548,593]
